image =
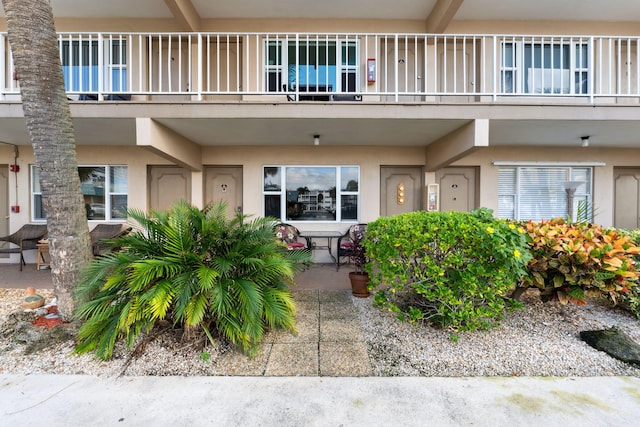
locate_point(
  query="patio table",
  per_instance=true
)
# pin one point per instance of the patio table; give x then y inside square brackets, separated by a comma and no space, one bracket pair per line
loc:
[324,235]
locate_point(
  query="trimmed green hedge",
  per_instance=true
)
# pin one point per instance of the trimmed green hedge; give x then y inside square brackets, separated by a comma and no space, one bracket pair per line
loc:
[451,268]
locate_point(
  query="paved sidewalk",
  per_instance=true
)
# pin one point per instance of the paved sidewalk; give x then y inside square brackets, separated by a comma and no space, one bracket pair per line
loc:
[61,400]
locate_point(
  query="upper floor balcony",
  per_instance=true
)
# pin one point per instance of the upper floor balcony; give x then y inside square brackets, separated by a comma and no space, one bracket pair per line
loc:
[389,68]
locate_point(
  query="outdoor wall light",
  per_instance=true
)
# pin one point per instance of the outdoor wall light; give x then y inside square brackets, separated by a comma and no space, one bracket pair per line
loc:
[400,193]
[316,139]
[585,141]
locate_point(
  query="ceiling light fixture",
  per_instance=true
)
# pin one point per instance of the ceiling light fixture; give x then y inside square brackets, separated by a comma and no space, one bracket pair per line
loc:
[585,141]
[316,139]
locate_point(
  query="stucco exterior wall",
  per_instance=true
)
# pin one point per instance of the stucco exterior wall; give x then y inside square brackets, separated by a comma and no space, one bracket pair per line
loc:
[370,159]
[349,26]
[603,185]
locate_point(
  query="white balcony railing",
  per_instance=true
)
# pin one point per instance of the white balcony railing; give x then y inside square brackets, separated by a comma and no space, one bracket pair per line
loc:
[384,67]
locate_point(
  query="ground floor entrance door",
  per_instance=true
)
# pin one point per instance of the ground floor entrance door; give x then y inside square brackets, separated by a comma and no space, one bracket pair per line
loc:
[401,189]
[167,185]
[224,183]
[626,198]
[458,190]
[4,203]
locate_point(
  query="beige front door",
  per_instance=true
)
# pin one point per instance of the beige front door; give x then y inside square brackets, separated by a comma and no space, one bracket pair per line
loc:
[4,203]
[170,67]
[456,74]
[409,64]
[457,188]
[626,197]
[401,189]
[629,69]
[225,67]
[224,183]
[167,185]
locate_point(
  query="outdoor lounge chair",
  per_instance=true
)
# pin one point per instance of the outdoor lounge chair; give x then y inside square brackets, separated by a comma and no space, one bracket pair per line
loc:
[105,231]
[291,236]
[346,242]
[26,237]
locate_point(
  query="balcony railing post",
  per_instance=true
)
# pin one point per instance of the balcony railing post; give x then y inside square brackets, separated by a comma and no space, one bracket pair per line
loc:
[199,71]
[495,67]
[3,66]
[591,68]
[101,66]
[395,67]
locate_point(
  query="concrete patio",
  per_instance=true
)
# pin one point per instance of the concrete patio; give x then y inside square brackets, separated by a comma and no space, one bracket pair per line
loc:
[318,276]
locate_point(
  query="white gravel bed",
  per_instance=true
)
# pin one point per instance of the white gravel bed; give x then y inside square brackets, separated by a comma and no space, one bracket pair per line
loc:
[540,340]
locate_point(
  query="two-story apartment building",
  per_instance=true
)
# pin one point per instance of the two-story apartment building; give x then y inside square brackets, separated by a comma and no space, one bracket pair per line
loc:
[380,107]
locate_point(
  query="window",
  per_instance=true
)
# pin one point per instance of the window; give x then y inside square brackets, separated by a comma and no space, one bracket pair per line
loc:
[104,189]
[311,193]
[538,193]
[311,65]
[541,67]
[80,65]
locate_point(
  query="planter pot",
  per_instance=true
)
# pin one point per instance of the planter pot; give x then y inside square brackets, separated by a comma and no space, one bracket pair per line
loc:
[359,283]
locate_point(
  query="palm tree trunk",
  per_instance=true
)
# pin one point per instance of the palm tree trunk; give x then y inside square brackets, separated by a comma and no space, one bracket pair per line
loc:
[33,41]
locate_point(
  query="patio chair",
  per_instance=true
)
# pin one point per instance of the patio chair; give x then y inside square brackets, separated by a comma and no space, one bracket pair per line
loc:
[26,237]
[290,235]
[346,242]
[105,231]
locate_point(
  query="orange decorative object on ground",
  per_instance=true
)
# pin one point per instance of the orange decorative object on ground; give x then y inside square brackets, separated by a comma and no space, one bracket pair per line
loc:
[32,300]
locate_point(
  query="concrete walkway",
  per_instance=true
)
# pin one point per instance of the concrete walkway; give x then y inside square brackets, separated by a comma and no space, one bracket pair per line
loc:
[329,342]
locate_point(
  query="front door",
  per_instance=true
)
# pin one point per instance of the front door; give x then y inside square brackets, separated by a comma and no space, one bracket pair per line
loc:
[224,183]
[4,203]
[400,189]
[167,185]
[628,73]
[457,75]
[627,198]
[457,189]
[409,64]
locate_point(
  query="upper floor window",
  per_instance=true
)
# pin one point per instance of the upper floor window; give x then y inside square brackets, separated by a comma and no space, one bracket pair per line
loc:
[104,189]
[311,193]
[81,65]
[539,193]
[311,65]
[545,67]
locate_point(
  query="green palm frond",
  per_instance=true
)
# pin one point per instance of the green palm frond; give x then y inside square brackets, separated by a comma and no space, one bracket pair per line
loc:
[194,267]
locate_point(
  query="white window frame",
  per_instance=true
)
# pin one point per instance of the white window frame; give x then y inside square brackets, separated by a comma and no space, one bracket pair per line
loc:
[282,192]
[584,192]
[108,192]
[111,64]
[280,64]
[517,68]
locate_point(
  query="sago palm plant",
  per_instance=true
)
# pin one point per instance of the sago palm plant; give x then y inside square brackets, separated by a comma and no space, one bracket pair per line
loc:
[195,268]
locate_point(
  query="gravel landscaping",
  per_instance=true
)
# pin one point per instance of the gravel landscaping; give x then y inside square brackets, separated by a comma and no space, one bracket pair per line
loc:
[541,340]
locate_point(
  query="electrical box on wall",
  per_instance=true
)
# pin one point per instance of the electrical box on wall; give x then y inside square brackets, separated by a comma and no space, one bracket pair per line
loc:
[433,199]
[371,70]
[14,168]
[15,209]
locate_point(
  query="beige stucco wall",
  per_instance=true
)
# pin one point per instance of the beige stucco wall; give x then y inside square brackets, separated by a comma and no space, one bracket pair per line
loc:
[350,26]
[603,185]
[368,158]
[136,159]
[250,158]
